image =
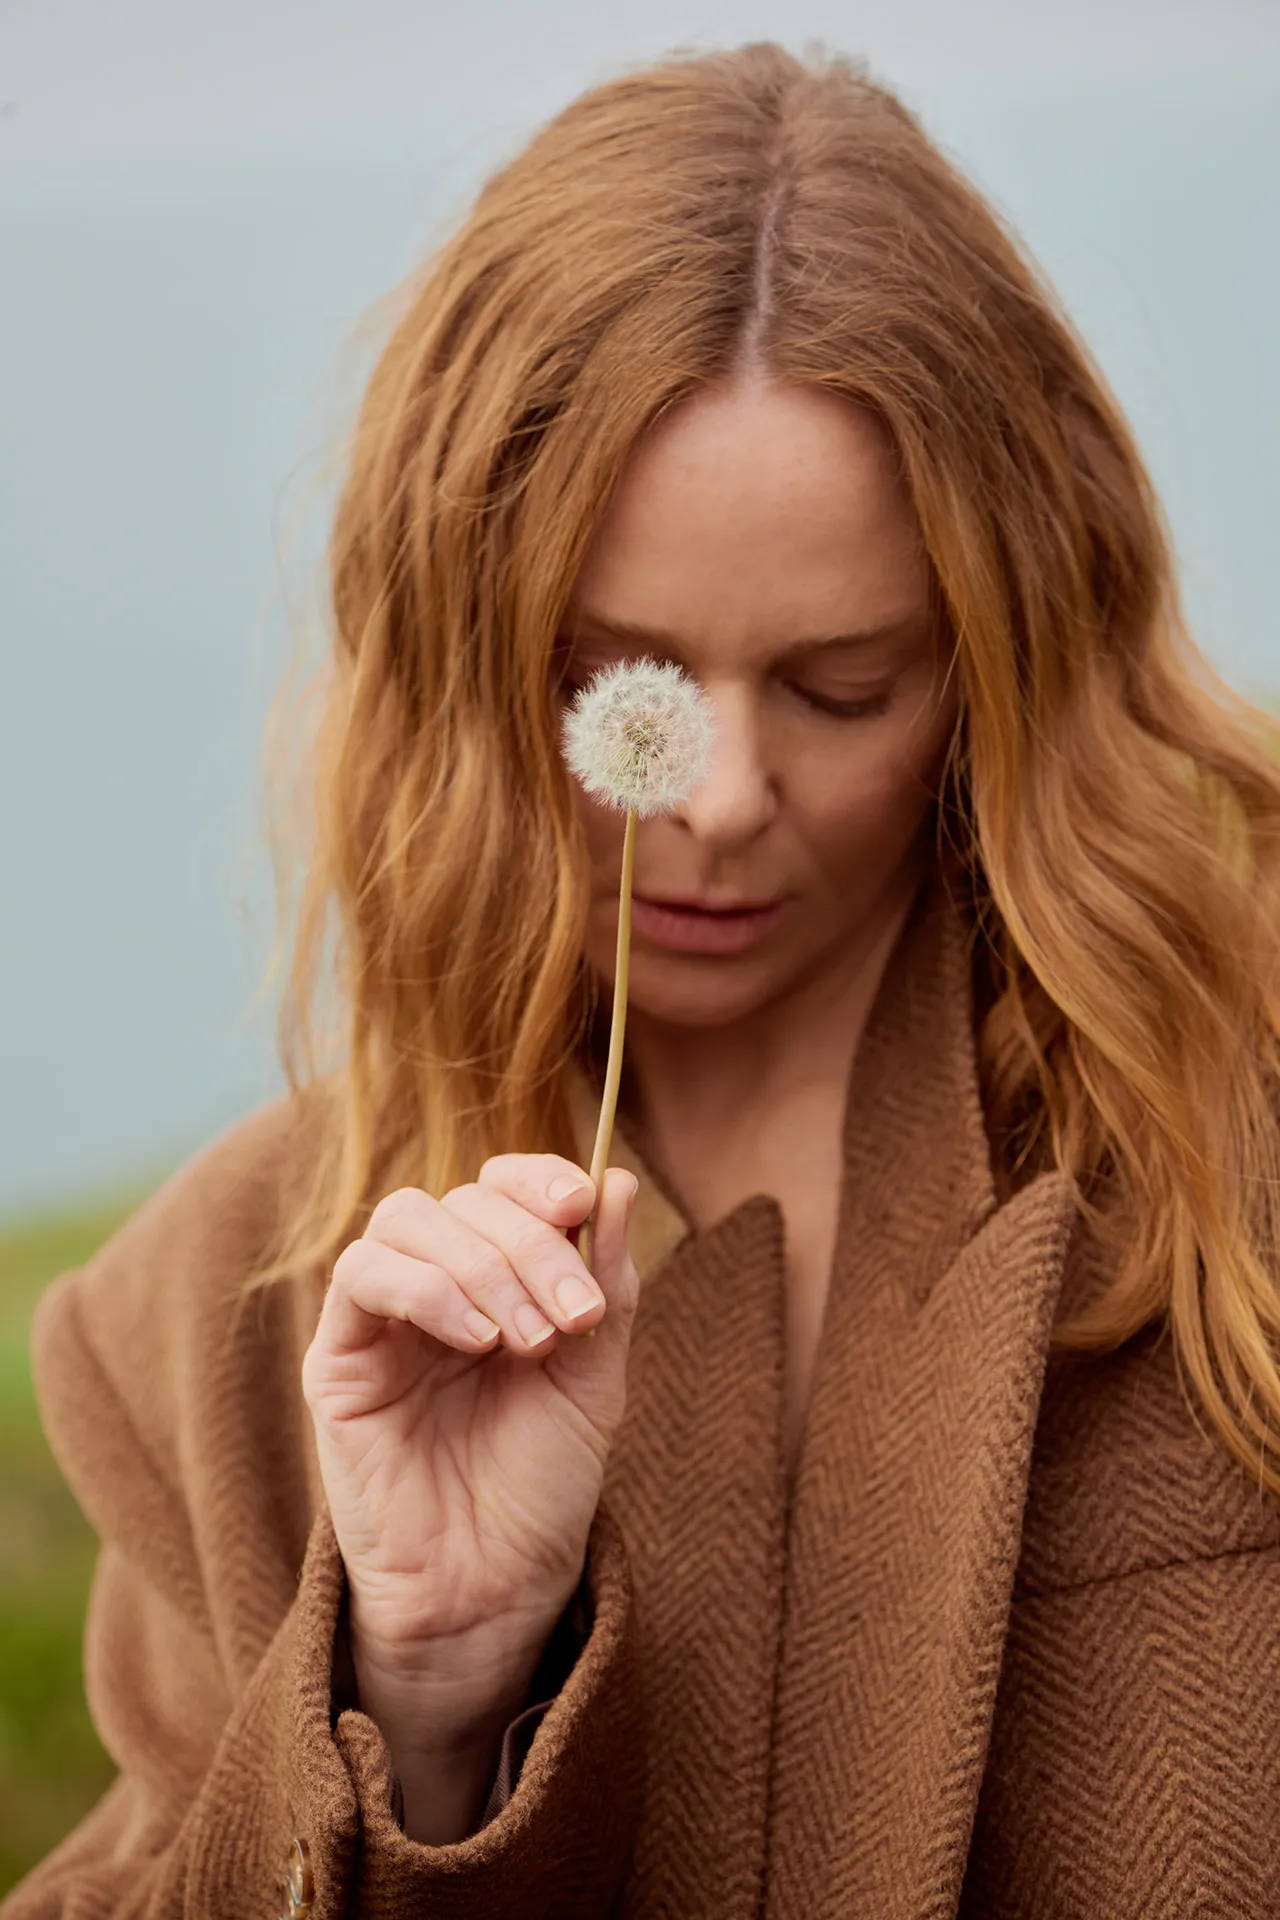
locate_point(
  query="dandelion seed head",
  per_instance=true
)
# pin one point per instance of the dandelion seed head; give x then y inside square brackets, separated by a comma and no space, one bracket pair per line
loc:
[639,735]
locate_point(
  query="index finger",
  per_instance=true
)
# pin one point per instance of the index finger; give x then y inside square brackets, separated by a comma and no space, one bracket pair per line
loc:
[555,1189]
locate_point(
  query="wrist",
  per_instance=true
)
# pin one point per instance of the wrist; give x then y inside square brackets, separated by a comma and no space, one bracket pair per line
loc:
[445,1705]
[439,1801]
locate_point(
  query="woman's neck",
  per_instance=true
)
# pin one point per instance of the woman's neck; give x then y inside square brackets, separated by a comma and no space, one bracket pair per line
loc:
[720,1090]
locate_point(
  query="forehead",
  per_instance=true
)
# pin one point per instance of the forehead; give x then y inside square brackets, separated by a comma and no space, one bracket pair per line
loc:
[767,514]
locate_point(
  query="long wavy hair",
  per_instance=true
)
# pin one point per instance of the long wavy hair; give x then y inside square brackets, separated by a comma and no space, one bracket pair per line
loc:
[1112,805]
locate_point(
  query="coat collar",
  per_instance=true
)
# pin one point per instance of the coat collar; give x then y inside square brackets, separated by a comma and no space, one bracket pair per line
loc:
[912,1095]
[820,1669]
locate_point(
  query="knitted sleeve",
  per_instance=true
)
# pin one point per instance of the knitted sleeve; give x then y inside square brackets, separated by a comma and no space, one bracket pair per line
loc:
[245,1785]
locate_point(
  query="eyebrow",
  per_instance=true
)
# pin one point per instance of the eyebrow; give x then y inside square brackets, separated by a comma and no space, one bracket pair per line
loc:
[663,641]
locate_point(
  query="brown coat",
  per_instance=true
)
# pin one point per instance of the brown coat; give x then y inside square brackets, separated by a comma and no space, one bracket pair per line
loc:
[1014,1649]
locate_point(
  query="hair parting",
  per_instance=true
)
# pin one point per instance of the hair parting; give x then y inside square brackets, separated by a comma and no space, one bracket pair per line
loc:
[1110,808]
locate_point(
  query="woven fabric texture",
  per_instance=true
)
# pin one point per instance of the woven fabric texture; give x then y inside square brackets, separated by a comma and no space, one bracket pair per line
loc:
[1006,1648]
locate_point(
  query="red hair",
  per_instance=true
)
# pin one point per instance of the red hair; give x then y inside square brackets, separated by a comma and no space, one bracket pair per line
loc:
[1112,805]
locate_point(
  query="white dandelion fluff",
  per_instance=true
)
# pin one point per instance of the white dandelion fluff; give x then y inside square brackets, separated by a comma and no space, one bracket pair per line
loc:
[639,736]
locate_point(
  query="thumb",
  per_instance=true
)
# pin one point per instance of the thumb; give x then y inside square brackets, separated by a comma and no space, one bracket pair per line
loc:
[611,1261]
[601,1355]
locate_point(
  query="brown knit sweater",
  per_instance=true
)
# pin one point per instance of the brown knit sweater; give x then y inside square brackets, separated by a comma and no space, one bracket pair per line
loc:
[1012,1647]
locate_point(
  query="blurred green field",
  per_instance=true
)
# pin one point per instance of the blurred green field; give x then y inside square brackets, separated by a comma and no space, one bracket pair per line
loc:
[52,1765]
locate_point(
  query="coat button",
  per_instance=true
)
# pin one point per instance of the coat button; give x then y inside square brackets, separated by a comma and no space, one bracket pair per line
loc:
[299,1883]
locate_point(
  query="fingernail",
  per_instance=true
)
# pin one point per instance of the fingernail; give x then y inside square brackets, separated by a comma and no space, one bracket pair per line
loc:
[574,1297]
[564,1185]
[531,1325]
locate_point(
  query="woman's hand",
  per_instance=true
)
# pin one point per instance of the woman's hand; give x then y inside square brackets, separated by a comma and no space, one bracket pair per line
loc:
[462,1457]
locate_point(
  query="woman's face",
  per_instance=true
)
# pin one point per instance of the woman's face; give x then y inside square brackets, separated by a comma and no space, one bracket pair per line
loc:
[749,523]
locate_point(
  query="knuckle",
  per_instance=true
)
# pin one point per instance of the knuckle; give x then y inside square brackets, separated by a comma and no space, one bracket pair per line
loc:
[352,1262]
[483,1268]
[403,1203]
[533,1242]
[315,1372]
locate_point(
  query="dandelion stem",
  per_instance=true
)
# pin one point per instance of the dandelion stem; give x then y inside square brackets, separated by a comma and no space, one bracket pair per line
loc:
[613,1072]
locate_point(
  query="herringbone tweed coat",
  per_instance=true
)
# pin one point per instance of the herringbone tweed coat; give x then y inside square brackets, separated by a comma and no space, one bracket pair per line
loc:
[1012,1649]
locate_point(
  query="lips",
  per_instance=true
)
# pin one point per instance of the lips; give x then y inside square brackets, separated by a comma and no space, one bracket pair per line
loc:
[690,931]
[688,904]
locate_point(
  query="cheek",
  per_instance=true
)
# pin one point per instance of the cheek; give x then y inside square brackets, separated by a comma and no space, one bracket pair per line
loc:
[871,794]
[907,757]
[865,777]
[603,827]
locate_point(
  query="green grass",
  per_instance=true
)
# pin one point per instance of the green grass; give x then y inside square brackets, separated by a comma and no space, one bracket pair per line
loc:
[52,1765]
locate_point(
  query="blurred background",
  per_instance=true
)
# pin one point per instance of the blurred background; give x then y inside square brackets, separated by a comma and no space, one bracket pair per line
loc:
[198,207]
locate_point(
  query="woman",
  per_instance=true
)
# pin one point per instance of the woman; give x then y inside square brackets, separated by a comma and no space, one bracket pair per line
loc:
[906,1541]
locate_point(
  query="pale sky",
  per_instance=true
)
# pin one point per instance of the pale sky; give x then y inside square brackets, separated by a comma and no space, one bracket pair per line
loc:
[93,81]
[199,204]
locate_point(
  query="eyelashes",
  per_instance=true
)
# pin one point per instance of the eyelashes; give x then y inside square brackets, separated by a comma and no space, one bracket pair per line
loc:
[866,708]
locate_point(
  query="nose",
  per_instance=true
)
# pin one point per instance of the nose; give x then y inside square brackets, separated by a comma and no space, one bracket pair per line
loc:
[738,795]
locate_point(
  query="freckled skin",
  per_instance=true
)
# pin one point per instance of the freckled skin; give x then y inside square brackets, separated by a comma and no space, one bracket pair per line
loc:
[749,518]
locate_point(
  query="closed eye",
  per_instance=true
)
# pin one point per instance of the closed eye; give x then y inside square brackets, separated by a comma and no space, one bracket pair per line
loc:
[844,709]
[862,709]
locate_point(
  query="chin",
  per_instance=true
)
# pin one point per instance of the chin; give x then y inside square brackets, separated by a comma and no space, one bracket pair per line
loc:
[697,1013]
[694,991]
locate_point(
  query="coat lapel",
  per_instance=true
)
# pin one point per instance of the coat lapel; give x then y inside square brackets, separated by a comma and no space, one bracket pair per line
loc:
[694,1480]
[908,1509]
[821,1676]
